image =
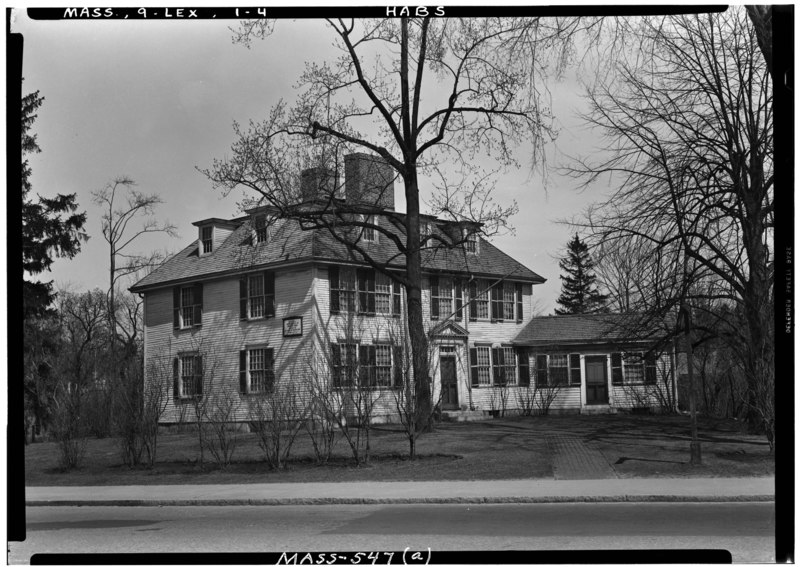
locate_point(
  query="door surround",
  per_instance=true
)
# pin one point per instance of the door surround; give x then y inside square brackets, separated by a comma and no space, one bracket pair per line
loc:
[596,390]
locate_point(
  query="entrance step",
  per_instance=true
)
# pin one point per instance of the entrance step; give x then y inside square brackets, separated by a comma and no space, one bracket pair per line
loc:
[464,415]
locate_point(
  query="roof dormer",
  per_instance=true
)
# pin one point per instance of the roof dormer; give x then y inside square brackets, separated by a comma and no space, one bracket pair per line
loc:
[211,233]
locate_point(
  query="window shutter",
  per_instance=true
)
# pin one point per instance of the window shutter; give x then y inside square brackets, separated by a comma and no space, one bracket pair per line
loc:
[650,368]
[473,305]
[198,368]
[176,387]
[616,368]
[473,367]
[336,362]
[518,294]
[243,298]
[524,369]
[269,354]
[575,369]
[363,365]
[396,297]
[269,291]
[434,297]
[398,366]
[197,295]
[497,367]
[541,370]
[497,301]
[459,299]
[333,282]
[176,307]
[243,371]
[370,278]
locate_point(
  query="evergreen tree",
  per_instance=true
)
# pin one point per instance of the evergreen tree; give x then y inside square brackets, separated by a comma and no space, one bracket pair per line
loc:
[50,226]
[579,294]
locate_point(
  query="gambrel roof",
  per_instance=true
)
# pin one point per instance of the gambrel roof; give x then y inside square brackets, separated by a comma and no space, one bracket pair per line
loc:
[289,244]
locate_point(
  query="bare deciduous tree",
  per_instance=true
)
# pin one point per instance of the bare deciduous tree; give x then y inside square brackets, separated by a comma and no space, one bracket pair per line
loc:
[688,118]
[427,95]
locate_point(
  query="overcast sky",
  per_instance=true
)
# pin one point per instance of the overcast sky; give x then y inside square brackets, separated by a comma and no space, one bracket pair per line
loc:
[155,99]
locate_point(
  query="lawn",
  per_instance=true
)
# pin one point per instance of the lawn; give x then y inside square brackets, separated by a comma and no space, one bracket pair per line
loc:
[509,448]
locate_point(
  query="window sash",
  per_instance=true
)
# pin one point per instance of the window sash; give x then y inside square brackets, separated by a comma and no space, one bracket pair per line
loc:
[383,294]
[260,370]
[260,228]
[633,368]
[207,238]
[509,301]
[481,299]
[187,307]
[255,297]
[368,234]
[558,369]
[189,376]
[484,361]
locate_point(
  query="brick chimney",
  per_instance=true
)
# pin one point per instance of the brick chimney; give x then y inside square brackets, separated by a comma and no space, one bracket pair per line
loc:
[317,183]
[369,180]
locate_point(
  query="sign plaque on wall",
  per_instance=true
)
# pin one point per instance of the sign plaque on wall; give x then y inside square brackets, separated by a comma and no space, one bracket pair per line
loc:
[293,327]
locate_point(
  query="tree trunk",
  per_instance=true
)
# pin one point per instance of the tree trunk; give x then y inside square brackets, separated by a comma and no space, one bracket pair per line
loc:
[416,329]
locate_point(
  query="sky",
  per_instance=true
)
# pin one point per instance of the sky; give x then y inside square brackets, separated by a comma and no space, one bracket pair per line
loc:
[156,99]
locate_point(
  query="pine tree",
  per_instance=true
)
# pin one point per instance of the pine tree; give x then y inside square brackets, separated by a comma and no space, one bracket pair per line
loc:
[51,227]
[579,294]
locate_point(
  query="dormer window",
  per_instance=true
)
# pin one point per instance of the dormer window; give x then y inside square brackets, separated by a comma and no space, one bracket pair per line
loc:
[260,233]
[368,234]
[207,239]
[470,241]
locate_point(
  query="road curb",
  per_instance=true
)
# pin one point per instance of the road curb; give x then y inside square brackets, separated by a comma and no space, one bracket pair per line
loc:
[421,500]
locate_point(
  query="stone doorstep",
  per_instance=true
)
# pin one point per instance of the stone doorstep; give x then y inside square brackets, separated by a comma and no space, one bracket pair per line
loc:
[598,409]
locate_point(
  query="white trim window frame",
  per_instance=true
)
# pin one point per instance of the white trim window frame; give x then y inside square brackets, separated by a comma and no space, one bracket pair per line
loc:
[260,370]
[256,296]
[260,229]
[207,239]
[190,375]
[470,238]
[369,233]
[187,307]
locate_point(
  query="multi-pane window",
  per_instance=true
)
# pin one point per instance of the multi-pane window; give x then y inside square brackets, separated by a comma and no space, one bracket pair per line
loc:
[383,365]
[368,233]
[558,369]
[187,307]
[260,233]
[377,366]
[508,301]
[343,362]
[495,300]
[187,304]
[342,289]
[633,368]
[504,366]
[481,366]
[257,296]
[364,291]
[257,371]
[442,295]
[446,298]
[498,366]
[479,299]
[470,241]
[207,236]
[189,376]
[383,293]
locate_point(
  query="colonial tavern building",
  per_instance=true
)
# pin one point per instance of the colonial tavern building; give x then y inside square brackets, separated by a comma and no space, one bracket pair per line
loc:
[257,301]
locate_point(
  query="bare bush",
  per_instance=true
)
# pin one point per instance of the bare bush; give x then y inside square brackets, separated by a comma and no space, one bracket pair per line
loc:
[277,419]
[219,435]
[69,429]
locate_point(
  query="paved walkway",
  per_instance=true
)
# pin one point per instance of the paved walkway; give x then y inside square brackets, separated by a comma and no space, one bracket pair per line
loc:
[499,491]
[573,460]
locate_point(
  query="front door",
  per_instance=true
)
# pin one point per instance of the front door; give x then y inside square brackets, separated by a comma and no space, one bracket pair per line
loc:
[447,367]
[596,380]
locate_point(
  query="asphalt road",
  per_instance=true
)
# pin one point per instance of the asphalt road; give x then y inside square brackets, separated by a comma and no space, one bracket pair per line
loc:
[745,529]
